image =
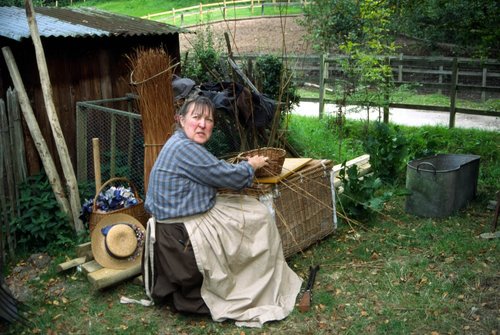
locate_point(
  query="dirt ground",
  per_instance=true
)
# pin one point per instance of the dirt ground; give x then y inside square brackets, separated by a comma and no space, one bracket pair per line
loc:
[277,35]
[263,35]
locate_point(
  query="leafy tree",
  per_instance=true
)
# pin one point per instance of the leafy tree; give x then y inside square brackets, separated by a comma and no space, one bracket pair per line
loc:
[332,22]
[469,27]
[361,30]
[204,65]
[275,80]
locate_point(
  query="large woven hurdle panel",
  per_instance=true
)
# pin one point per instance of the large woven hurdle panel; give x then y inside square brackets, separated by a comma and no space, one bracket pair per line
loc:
[301,203]
[303,206]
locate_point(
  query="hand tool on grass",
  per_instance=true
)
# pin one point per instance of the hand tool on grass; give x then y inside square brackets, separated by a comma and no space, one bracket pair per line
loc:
[305,301]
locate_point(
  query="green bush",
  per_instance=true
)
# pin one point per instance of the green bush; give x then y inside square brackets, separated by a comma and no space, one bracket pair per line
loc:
[41,225]
[361,198]
[203,65]
[274,79]
[387,147]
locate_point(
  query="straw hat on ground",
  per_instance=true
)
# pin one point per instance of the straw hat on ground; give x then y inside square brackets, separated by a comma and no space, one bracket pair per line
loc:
[117,241]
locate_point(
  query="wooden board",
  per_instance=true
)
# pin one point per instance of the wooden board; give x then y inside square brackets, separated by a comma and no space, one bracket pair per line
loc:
[289,166]
[106,277]
[71,264]
[90,267]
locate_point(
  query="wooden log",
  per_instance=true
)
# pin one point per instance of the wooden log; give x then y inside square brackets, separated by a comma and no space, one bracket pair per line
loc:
[70,264]
[138,281]
[85,250]
[91,266]
[242,75]
[364,168]
[107,277]
[62,148]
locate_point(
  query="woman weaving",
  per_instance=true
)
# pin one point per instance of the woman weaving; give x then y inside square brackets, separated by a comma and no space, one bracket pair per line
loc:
[217,254]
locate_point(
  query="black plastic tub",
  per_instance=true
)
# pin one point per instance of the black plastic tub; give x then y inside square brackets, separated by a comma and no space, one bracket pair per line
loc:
[441,185]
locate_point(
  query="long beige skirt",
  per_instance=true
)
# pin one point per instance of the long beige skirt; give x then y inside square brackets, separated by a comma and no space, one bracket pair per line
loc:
[238,251]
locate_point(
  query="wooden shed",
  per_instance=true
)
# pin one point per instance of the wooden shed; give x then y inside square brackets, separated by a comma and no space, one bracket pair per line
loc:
[86,52]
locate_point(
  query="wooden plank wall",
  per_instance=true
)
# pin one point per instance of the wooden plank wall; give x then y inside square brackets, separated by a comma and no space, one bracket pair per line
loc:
[80,69]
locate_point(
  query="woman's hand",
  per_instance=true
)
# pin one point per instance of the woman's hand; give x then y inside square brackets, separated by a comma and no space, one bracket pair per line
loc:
[258,162]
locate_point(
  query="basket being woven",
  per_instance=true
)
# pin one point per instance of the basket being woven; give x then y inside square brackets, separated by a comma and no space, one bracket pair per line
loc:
[276,160]
[137,211]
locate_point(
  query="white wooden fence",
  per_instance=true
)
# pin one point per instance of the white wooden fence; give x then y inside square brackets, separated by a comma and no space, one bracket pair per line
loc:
[222,10]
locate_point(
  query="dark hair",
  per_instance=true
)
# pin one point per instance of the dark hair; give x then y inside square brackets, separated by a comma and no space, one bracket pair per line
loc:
[200,102]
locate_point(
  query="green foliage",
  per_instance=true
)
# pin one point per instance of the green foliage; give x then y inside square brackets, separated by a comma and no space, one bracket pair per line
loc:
[332,22]
[467,27]
[204,64]
[319,138]
[387,147]
[316,138]
[275,80]
[360,199]
[41,225]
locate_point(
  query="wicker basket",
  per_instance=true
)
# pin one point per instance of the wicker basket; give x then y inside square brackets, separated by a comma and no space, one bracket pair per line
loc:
[302,204]
[276,159]
[137,211]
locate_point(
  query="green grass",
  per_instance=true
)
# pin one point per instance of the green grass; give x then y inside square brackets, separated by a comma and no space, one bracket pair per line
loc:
[399,274]
[323,138]
[140,8]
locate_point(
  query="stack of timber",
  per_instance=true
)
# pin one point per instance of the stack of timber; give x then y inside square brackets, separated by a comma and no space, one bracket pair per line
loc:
[98,276]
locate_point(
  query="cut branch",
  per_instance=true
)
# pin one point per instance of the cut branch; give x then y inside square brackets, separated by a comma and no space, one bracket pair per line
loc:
[62,149]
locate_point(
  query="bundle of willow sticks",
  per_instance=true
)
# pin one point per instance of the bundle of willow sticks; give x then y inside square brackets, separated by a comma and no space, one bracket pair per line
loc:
[151,78]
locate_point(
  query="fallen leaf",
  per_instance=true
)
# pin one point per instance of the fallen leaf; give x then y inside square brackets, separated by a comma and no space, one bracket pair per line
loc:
[56,317]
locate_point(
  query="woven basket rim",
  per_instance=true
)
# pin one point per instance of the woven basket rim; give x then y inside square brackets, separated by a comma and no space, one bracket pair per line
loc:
[276,160]
[263,150]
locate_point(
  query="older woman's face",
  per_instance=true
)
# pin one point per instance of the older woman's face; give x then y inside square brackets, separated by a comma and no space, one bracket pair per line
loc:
[198,124]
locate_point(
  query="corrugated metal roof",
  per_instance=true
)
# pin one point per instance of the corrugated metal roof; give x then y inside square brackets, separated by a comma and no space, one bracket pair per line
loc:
[64,22]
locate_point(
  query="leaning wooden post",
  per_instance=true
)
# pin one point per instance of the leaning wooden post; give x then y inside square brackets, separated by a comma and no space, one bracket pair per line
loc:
[97,163]
[453,91]
[36,134]
[61,146]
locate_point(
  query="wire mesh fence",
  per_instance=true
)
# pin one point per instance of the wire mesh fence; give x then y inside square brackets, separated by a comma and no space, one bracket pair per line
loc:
[117,125]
